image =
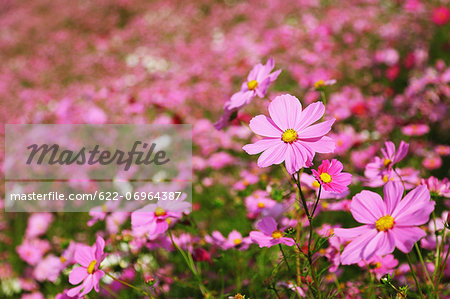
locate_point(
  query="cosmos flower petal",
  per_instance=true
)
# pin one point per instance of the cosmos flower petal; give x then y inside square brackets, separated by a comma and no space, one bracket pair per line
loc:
[310,115]
[371,248]
[405,237]
[408,203]
[285,111]
[274,75]
[240,99]
[401,152]
[393,192]
[273,155]
[294,159]
[334,167]
[88,285]
[84,255]
[367,207]
[77,275]
[267,225]
[73,292]
[96,279]
[317,130]
[351,233]
[261,145]
[320,145]
[352,252]
[417,215]
[264,126]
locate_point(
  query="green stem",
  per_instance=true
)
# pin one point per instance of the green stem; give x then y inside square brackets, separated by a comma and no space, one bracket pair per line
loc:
[284,257]
[442,265]
[423,264]
[414,276]
[130,285]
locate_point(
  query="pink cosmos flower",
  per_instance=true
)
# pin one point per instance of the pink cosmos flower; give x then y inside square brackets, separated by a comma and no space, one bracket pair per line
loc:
[32,250]
[269,235]
[441,15]
[289,134]
[330,176]
[38,224]
[154,218]
[432,162]
[380,265]
[441,188]
[415,129]
[388,224]
[90,258]
[258,81]
[234,240]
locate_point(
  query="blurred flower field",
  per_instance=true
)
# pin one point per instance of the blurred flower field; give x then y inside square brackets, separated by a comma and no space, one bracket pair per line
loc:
[320,146]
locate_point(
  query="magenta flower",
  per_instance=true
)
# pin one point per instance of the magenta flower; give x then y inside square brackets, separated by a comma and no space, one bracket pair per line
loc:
[330,176]
[269,235]
[388,224]
[90,258]
[289,134]
[258,81]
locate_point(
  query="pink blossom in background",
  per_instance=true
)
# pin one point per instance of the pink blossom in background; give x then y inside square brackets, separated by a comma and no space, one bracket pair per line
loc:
[389,223]
[32,250]
[38,224]
[436,187]
[440,15]
[289,135]
[415,130]
[90,258]
[380,265]
[257,83]
[268,234]
[330,176]
[432,162]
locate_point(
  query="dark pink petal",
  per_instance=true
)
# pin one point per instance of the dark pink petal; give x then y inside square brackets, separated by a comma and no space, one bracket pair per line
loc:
[285,111]
[264,126]
[335,167]
[287,241]
[389,151]
[317,130]
[273,155]
[267,225]
[320,145]
[77,275]
[310,115]
[405,237]
[393,192]
[261,145]
[367,207]
[260,238]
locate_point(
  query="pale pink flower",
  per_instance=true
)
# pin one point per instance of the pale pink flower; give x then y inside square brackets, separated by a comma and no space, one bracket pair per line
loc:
[48,268]
[415,129]
[289,135]
[441,188]
[32,250]
[380,265]
[268,234]
[388,224]
[432,162]
[38,224]
[90,258]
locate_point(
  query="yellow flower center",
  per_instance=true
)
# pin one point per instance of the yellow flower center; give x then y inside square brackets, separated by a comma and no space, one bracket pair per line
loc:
[386,162]
[277,234]
[261,205]
[289,136]
[325,177]
[319,84]
[377,265]
[386,178]
[252,84]
[62,259]
[384,223]
[325,205]
[316,184]
[91,267]
[237,241]
[160,211]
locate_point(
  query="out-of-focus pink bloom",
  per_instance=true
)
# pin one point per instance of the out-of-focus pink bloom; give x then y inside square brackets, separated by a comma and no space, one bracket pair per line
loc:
[436,187]
[432,162]
[64,295]
[380,265]
[234,240]
[330,176]
[38,224]
[90,258]
[392,72]
[380,170]
[248,178]
[320,84]
[442,150]
[388,224]
[441,15]
[257,202]
[32,250]
[220,160]
[289,135]
[48,268]
[257,83]
[35,295]
[415,129]
[153,218]
[268,234]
